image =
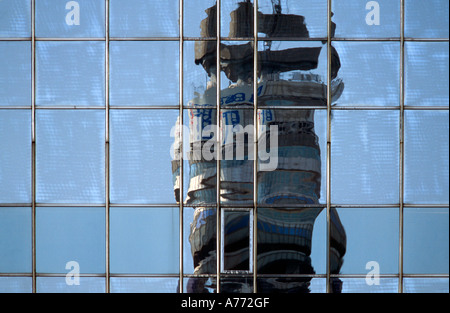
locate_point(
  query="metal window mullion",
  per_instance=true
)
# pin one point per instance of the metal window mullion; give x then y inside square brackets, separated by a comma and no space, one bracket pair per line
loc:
[107,153]
[33,145]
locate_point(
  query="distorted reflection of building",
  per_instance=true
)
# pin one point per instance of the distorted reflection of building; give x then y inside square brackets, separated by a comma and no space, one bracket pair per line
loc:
[287,76]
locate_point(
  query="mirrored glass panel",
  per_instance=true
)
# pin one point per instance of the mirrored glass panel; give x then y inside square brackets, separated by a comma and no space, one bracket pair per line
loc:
[15,74]
[426,74]
[70,240]
[144,240]
[15,156]
[369,73]
[425,285]
[426,19]
[81,18]
[15,240]
[70,156]
[366,19]
[70,73]
[144,285]
[16,284]
[426,241]
[361,285]
[142,18]
[62,285]
[15,18]
[199,18]
[237,241]
[140,156]
[426,157]
[365,157]
[372,240]
[144,73]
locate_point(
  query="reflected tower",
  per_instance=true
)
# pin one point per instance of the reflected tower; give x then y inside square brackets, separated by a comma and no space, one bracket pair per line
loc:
[290,73]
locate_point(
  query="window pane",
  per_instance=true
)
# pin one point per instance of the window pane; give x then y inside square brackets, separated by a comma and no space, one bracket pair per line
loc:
[194,13]
[59,285]
[372,236]
[425,285]
[144,285]
[70,156]
[70,73]
[426,19]
[15,156]
[141,156]
[426,73]
[81,18]
[359,285]
[370,73]
[142,18]
[15,18]
[144,240]
[365,157]
[361,19]
[426,157]
[426,241]
[70,234]
[15,73]
[15,240]
[144,73]
[16,284]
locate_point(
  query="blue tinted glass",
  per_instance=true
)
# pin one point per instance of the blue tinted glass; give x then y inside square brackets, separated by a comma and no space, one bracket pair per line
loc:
[144,285]
[426,157]
[425,285]
[16,284]
[370,73]
[360,285]
[70,156]
[366,19]
[70,234]
[81,18]
[70,73]
[143,18]
[15,156]
[372,235]
[15,18]
[144,73]
[426,73]
[426,241]
[59,285]
[144,240]
[141,169]
[15,73]
[365,157]
[426,19]
[15,240]
[194,13]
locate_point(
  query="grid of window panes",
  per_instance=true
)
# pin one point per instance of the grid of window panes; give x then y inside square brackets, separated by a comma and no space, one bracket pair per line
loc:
[91,89]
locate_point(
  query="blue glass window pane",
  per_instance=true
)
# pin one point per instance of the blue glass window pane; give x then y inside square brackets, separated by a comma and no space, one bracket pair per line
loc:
[372,235]
[16,284]
[70,73]
[15,73]
[194,13]
[426,19]
[365,157]
[15,240]
[70,156]
[144,240]
[15,18]
[359,285]
[141,169]
[143,18]
[15,156]
[425,285]
[426,157]
[59,285]
[426,241]
[370,72]
[144,285]
[70,234]
[144,73]
[81,18]
[354,20]
[426,74]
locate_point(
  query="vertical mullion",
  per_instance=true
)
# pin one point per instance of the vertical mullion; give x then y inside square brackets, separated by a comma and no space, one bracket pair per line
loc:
[219,147]
[402,142]
[33,144]
[255,146]
[107,150]
[181,159]
[328,175]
